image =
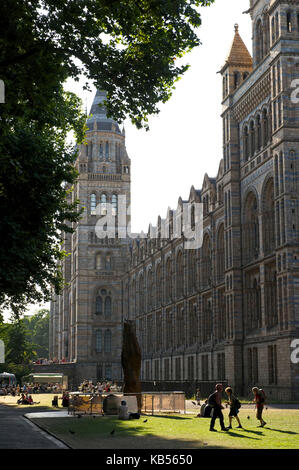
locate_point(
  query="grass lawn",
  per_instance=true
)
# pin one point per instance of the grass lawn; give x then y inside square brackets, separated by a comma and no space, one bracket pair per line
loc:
[45,400]
[177,432]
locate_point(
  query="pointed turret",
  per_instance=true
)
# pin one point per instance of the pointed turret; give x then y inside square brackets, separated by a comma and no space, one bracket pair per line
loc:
[99,120]
[238,54]
[238,65]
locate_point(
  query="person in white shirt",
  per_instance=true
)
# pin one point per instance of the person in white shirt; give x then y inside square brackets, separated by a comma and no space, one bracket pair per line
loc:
[123,411]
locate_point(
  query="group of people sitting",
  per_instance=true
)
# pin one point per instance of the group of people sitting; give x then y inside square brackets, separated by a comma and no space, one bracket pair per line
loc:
[12,390]
[46,361]
[87,386]
[42,388]
[26,399]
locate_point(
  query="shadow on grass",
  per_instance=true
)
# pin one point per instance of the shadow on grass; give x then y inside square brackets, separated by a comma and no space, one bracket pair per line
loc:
[281,430]
[168,417]
[234,434]
[96,434]
[33,408]
[259,433]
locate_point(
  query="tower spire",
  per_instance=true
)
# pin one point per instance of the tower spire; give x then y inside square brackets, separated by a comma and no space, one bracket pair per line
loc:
[238,54]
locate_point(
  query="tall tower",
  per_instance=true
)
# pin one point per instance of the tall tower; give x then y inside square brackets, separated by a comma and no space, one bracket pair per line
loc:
[261,195]
[88,316]
[237,68]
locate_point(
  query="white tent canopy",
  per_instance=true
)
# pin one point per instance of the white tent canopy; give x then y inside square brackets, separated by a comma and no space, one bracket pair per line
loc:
[10,377]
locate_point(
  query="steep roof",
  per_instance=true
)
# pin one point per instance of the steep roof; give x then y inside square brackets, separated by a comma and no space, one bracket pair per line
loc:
[98,111]
[238,54]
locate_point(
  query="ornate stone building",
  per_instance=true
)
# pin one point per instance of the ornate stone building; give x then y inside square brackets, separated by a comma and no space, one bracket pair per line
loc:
[85,321]
[230,309]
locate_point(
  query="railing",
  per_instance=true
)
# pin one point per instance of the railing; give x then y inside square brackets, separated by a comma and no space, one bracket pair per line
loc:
[101,177]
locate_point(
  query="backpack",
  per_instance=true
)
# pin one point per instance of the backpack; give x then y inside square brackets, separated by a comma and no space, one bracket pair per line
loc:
[237,404]
[212,399]
[263,395]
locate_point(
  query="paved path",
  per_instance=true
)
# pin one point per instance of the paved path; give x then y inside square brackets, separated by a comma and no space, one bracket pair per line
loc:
[17,432]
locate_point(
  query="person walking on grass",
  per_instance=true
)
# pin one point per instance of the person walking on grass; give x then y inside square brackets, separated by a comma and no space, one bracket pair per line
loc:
[214,401]
[259,400]
[198,396]
[235,406]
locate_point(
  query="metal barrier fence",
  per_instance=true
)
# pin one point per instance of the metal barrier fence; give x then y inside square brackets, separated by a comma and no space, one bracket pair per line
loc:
[86,404]
[163,402]
[152,402]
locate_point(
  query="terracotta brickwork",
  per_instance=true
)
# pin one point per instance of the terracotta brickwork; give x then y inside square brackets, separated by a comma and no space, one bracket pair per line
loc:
[228,310]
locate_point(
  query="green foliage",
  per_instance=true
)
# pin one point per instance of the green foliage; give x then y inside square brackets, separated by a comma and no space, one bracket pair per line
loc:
[20,370]
[18,348]
[36,174]
[25,339]
[127,48]
[38,331]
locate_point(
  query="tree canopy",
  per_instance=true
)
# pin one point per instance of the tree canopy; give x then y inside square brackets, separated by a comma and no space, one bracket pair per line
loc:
[127,48]
[37,326]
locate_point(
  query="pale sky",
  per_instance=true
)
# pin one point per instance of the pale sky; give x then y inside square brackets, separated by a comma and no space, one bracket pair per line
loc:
[185,140]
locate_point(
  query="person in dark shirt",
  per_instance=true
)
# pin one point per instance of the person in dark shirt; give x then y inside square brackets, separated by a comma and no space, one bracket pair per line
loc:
[214,400]
[234,408]
[259,400]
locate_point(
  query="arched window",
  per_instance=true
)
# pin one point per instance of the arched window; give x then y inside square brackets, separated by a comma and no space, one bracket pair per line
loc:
[250,227]
[265,128]
[268,218]
[101,151]
[117,152]
[273,29]
[98,261]
[258,133]
[168,284]
[99,341]
[252,139]
[246,143]
[220,254]
[150,289]
[289,22]
[108,306]
[259,41]
[179,275]
[270,294]
[114,204]
[103,204]
[107,150]
[107,341]
[133,297]
[278,78]
[276,26]
[93,204]
[99,305]
[266,28]
[257,314]
[192,259]
[237,79]
[141,293]
[206,262]
[108,262]
[159,284]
